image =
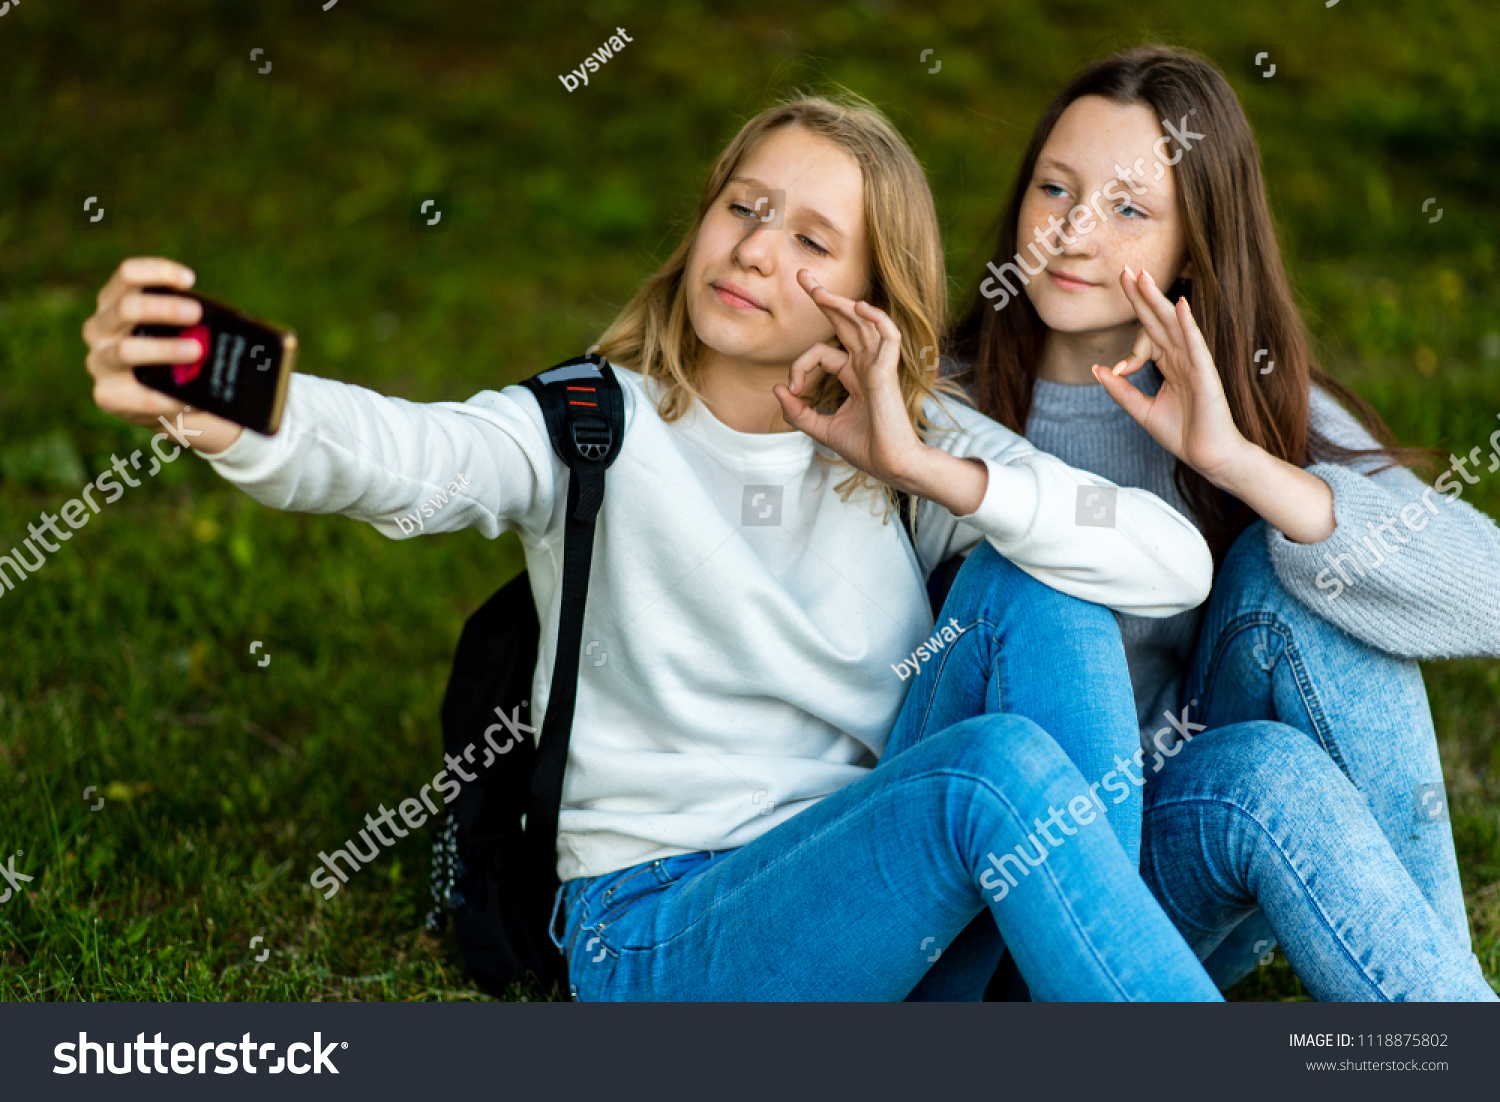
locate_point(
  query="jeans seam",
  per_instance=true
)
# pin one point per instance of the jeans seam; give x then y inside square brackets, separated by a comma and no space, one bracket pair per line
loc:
[609,893]
[937,673]
[983,781]
[1308,894]
[611,913]
[1262,619]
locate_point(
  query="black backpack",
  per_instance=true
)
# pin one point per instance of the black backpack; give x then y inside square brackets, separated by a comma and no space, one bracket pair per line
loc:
[494,867]
[497,876]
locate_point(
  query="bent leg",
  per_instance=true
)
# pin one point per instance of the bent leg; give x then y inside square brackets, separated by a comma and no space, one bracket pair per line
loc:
[1023,648]
[1262,654]
[849,899]
[1255,814]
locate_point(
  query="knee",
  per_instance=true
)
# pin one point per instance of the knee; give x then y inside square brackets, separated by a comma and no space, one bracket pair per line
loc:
[1008,752]
[989,579]
[1247,581]
[1259,761]
[1247,567]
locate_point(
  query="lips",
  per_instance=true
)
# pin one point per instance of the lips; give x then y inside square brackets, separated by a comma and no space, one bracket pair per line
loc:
[732,294]
[1068,282]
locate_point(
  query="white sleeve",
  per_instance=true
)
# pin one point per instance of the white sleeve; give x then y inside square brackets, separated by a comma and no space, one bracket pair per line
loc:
[1120,547]
[344,449]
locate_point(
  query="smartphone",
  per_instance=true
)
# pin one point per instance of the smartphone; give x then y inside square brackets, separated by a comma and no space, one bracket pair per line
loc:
[240,371]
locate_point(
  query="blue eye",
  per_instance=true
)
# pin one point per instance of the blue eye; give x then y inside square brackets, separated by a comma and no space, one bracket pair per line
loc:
[1053,191]
[1123,207]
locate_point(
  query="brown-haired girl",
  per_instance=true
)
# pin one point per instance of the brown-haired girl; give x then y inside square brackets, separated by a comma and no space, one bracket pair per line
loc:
[1136,320]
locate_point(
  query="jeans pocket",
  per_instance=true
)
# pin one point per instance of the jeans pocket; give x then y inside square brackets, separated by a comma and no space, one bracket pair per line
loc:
[630,889]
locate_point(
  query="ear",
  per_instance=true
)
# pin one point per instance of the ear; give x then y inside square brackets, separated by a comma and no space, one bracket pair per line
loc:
[1187,270]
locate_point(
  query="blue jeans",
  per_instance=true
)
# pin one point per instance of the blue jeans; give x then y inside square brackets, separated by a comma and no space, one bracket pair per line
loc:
[864,895]
[1303,814]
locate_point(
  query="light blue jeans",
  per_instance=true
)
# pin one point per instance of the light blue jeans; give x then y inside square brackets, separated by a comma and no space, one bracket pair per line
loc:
[1325,831]
[977,809]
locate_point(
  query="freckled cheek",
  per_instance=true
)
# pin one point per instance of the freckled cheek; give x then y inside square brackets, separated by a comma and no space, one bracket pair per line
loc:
[1118,249]
[1031,224]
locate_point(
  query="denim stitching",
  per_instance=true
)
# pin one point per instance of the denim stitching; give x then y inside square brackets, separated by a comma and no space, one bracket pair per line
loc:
[984,782]
[942,665]
[1307,894]
[611,913]
[1322,730]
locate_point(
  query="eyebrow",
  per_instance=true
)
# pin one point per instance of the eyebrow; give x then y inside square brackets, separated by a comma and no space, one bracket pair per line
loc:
[814,215]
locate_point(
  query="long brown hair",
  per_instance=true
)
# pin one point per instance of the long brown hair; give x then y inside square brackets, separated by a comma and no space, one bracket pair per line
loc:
[654,335]
[1240,294]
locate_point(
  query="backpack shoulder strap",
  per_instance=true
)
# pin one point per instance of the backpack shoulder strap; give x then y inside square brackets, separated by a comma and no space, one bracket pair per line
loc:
[584,410]
[906,509]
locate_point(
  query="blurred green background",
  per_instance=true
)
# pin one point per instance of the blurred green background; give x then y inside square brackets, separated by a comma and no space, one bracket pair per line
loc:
[125,663]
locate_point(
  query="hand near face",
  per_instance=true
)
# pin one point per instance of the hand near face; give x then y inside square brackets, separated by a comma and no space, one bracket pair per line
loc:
[871,429]
[1189,416]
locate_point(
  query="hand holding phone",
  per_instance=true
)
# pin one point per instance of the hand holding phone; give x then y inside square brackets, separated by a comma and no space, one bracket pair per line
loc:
[114,351]
[239,370]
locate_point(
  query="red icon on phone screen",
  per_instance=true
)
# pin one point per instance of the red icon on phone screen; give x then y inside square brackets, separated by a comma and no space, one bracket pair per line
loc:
[188,371]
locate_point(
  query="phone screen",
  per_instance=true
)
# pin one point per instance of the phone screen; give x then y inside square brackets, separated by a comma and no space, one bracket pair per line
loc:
[240,371]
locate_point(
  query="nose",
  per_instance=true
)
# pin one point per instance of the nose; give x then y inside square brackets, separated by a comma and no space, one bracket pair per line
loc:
[757,248]
[1085,245]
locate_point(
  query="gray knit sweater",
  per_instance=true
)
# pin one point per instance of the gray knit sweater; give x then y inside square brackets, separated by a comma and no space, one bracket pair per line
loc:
[1434,594]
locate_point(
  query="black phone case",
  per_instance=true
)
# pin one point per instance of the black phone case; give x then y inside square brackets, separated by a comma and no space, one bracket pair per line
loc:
[242,373]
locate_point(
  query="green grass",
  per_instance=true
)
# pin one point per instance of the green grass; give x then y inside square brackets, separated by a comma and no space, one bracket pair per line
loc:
[125,663]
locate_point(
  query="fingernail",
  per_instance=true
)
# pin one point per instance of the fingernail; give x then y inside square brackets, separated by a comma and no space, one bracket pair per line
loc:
[1119,367]
[190,278]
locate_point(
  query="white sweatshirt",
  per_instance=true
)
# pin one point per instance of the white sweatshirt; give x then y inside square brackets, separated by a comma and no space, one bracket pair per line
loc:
[755,626]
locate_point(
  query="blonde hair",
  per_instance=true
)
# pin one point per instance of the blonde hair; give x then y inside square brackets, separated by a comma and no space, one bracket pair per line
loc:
[654,335]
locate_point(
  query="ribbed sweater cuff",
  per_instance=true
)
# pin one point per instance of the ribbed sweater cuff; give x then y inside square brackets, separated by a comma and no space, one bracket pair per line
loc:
[1008,510]
[253,455]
